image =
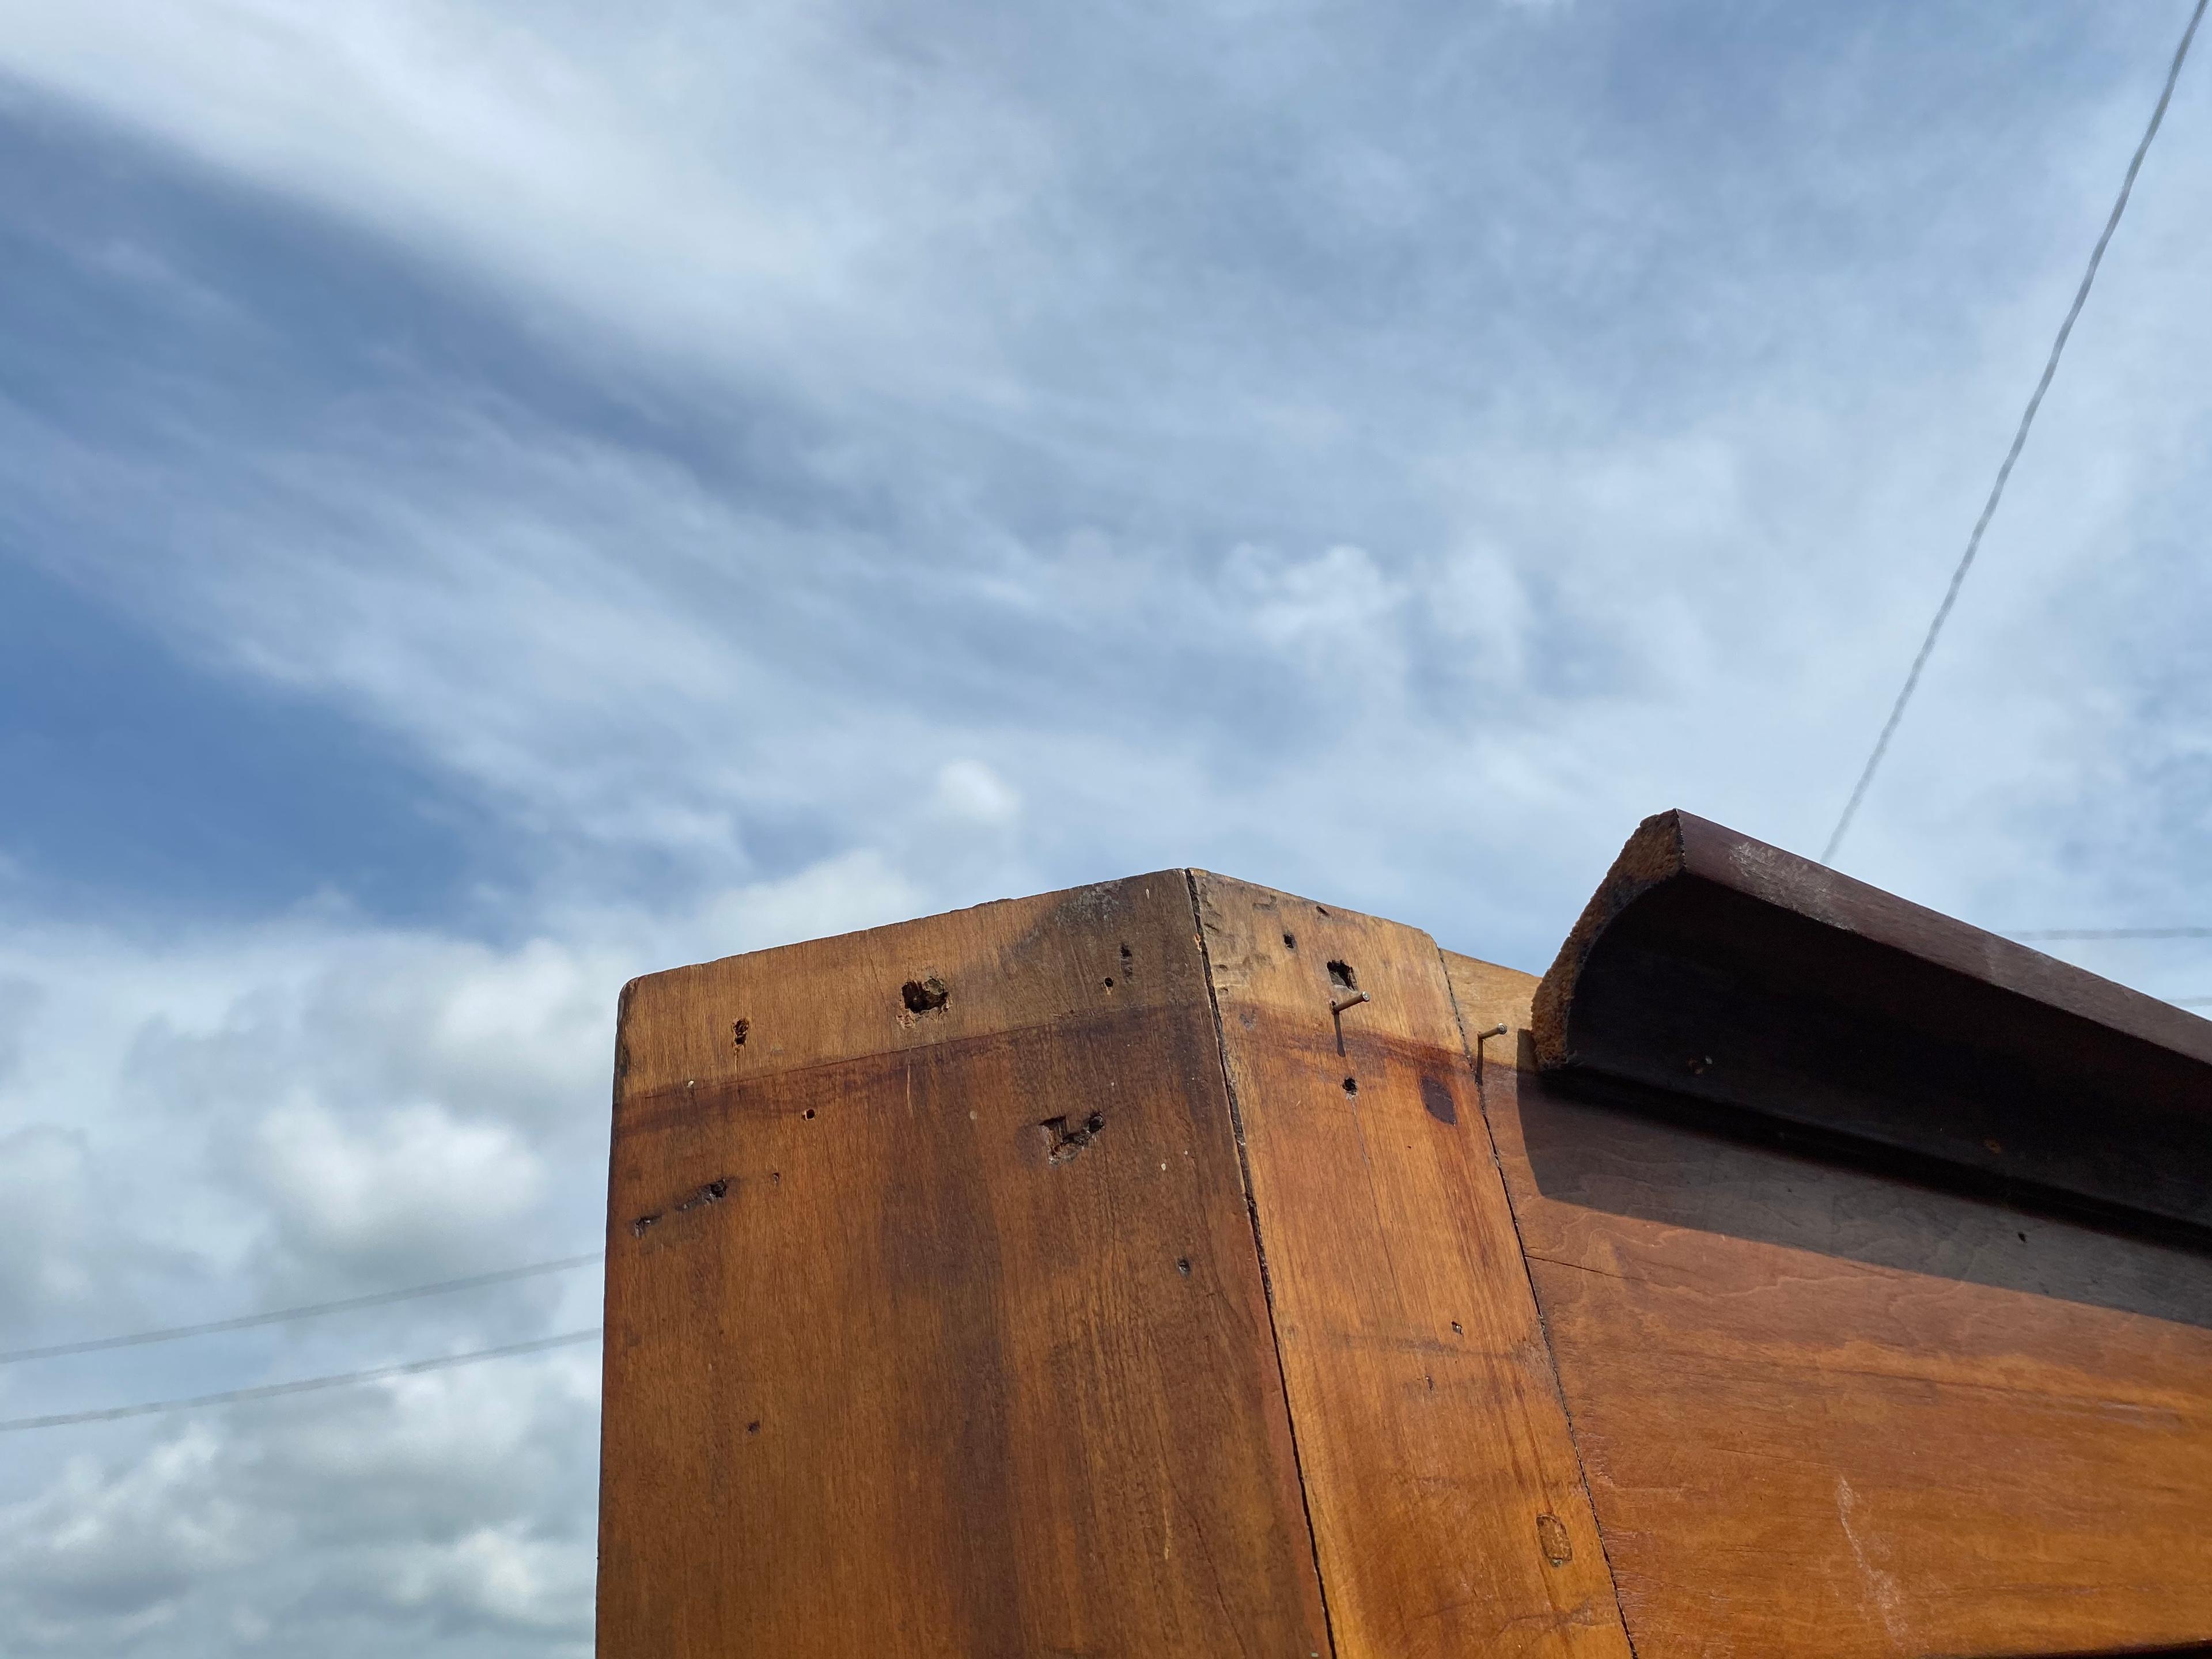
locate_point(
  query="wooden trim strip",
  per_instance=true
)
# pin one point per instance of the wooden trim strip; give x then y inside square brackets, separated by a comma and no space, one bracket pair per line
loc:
[1714,972]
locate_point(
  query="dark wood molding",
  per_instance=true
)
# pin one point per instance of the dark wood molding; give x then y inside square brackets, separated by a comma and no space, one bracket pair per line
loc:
[1715,972]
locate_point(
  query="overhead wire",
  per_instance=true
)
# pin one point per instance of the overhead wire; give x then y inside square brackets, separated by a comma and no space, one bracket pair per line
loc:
[2112,933]
[246,1322]
[303,1385]
[2012,455]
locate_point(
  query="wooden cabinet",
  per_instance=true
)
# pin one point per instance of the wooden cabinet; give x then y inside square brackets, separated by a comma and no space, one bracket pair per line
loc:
[1174,1267]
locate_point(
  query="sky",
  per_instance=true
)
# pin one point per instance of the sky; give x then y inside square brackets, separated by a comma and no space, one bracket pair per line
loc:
[499,499]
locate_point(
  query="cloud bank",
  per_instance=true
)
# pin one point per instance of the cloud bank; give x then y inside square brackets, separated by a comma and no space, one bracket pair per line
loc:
[495,499]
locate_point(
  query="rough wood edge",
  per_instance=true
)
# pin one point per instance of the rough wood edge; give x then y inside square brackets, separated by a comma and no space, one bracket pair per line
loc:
[1478,1059]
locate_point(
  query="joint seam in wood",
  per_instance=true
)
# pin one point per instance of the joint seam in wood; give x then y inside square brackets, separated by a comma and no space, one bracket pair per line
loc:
[1259,1247]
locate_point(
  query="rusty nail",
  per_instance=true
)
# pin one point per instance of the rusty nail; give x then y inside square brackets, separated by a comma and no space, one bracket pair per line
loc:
[1352,1001]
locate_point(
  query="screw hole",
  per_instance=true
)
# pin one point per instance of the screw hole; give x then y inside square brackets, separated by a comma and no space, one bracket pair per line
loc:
[1064,1142]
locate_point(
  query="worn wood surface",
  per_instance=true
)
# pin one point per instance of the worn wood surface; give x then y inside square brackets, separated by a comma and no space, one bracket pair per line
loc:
[939,1329]
[1824,1411]
[1447,1504]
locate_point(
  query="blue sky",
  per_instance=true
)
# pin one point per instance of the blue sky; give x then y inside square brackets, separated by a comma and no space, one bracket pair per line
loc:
[496,499]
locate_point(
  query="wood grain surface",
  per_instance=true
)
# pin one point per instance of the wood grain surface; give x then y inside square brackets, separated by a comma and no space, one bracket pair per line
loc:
[1827,1411]
[1447,1504]
[935,1321]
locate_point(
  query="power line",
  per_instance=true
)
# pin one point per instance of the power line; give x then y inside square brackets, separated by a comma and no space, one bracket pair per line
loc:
[245,1321]
[2114,932]
[2019,439]
[270,1390]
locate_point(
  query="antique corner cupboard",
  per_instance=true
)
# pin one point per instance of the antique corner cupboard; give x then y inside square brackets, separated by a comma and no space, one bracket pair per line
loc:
[1174,1267]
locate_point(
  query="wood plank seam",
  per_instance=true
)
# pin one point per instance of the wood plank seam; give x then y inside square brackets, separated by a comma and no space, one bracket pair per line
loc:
[1477,1060]
[1259,1244]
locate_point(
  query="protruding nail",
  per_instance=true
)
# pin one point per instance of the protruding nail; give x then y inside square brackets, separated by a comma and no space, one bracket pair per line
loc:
[1495,1030]
[1352,1001]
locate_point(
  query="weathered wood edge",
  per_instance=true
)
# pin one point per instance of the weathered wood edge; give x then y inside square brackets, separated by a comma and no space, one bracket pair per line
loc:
[1473,1039]
[1191,878]
[1556,1486]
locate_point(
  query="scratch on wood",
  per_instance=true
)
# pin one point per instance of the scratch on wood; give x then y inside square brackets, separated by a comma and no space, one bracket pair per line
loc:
[1883,1585]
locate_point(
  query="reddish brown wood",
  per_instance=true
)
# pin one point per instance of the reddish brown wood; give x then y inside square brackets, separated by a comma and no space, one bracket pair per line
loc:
[1827,1412]
[939,1329]
[1132,1271]
[1448,1507]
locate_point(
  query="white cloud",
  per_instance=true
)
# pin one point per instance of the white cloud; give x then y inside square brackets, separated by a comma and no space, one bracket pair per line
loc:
[969,789]
[416,1173]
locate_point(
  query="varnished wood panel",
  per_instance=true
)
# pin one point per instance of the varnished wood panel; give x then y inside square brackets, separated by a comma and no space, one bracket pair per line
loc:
[1446,1505]
[939,1330]
[1826,1413]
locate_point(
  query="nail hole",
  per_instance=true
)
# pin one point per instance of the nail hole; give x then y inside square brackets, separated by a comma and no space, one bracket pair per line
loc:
[1290,941]
[1339,974]
[921,995]
[1110,982]
[1127,958]
[1552,1536]
[1457,1329]
[1065,1142]
[712,1192]
[808,1113]
[1182,1265]
[1351,1086]
[637,1227]
[753,1427]
[738,1032]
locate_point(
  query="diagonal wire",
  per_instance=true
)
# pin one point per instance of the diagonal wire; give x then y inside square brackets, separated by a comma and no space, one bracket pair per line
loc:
[305,1385]
[2019,439]
[2113,933]
[246,1321]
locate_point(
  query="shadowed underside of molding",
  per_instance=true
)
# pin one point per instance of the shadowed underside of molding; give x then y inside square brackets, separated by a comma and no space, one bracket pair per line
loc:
[1717,974]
